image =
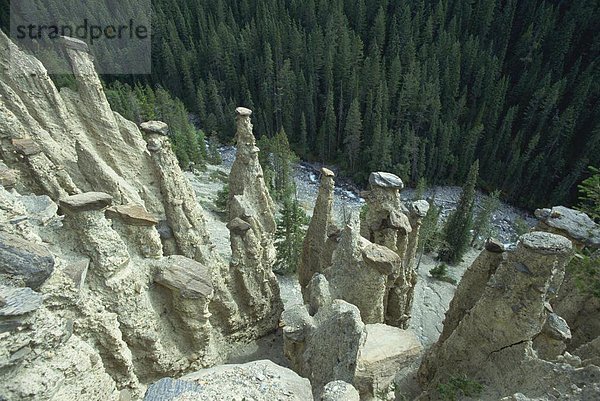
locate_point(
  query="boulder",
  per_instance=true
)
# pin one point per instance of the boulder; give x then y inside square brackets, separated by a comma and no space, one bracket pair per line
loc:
[77,272]
[573,224]
[186,276]
[134,215]
[325,347]
[155,127]
[385,180]
[339,390]
[40,209]
[259,381]
[85,202]
[74,44]
[18,301]
[8,178]
[26,146]
[238,226]
[24,261]
[243,112]
[385,352]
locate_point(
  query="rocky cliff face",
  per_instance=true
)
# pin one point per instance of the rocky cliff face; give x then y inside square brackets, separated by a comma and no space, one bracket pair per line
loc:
[108,277]
[499,317]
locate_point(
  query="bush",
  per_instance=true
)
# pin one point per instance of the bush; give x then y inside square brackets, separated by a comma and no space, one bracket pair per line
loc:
[440,272]
[459,387]
[585,268]
[521,227]
[222,199]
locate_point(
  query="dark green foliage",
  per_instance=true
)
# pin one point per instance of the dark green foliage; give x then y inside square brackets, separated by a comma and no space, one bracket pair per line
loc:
[585,268]
[482,227]
[276,160]
[436,84]
[457,387]
[460,222]
[420,189]
[520,226]
[590,195]
[440,272]
[213,156]
[221,202]
[142,103]
[289,236]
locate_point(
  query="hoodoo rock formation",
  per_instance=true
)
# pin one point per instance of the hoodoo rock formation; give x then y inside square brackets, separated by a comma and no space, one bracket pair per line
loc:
[580,310]
[314,259]
[498,312]
[388,222]
[326,340]
[109,280]
[251,230]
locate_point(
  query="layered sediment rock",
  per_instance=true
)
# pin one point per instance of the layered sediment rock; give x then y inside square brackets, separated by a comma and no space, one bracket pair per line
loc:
[115,312]
[491,341]
[251,229]
[362,274]
[579,309]
[313,259]
[390,223]
[326,340]
[323,347]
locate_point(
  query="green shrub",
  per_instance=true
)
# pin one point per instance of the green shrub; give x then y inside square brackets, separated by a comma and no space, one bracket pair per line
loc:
[459,387]
[440,272]
[222,199]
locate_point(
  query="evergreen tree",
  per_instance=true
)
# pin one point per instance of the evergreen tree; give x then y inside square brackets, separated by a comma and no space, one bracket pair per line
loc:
[353,134]
[460,222]
[482,227]
[289,236]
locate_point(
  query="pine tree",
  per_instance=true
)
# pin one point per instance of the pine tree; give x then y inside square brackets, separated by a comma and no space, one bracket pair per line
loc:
[353,135]
[289,236]
[460,222]
[482,227]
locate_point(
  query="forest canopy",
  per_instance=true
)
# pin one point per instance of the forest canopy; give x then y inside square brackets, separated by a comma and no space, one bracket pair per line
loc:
[421,89]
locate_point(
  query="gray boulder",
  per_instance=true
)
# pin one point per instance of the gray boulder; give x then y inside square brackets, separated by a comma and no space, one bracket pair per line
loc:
[24,262]
[85,202]
[258,381]
[18,301]
[385,180]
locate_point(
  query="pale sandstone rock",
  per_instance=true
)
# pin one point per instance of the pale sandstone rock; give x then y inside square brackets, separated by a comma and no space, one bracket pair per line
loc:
[362,274]
[18,301]
[385,180]
[135,215]
[573,224]
[391,224]
[492,343]
[325,347]
[186,276]
[155,127]
[86,201]
[339,390]
[259,380]
[581,311]
[312,260]
[252,228]
[385,351]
